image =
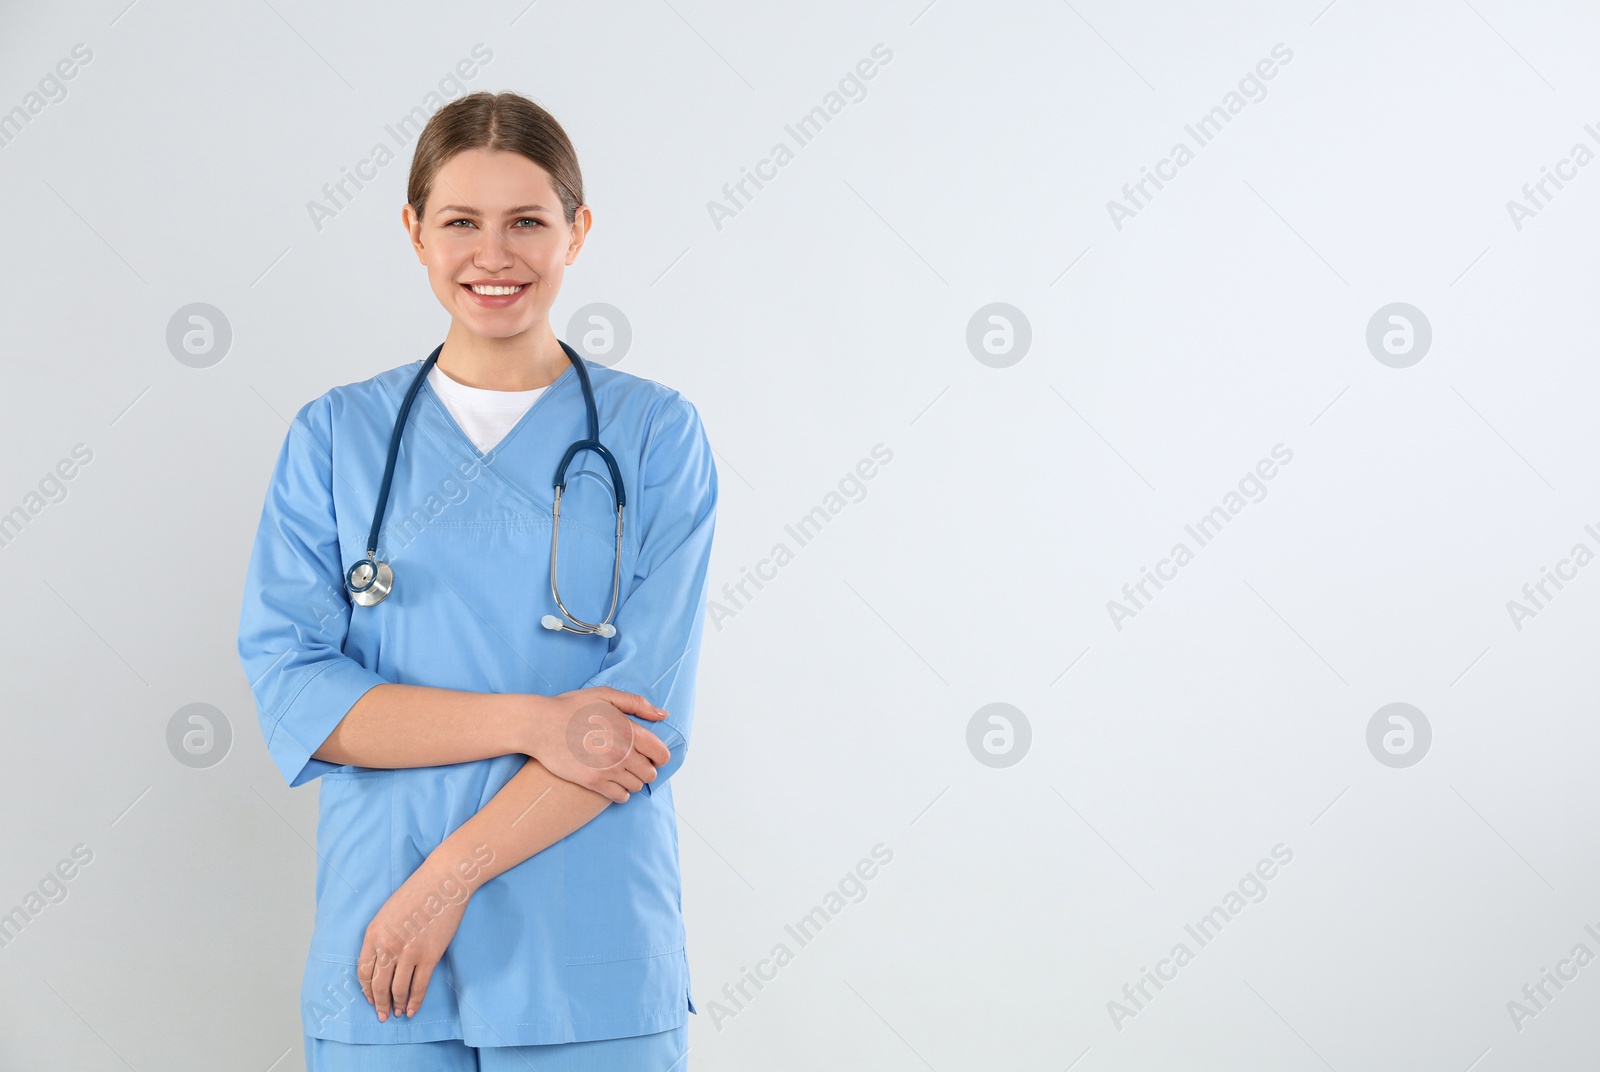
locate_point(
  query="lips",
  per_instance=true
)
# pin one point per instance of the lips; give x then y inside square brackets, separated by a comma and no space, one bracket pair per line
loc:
[496,301]
[497,285]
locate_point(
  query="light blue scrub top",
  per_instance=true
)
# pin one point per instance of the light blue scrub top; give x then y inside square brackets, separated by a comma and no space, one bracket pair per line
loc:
[585,940]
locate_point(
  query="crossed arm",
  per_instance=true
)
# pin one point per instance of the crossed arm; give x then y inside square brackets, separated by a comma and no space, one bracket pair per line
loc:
[556,792]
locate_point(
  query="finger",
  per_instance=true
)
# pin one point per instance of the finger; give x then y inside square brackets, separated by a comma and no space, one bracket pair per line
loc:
[650,746]
[364,966]
[632,703]
[401,990]
[382,972]
[641,768]
[419,987]
[629,781]
[604,783]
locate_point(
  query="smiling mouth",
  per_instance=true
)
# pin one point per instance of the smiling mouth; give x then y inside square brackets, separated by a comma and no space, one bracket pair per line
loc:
[495,291]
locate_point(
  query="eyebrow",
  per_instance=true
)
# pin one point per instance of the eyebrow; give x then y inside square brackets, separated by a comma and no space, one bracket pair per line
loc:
[470,211]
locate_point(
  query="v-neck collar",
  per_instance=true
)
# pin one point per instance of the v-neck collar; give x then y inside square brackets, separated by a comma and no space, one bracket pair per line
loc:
[431,423]
[568,373]
[430,420]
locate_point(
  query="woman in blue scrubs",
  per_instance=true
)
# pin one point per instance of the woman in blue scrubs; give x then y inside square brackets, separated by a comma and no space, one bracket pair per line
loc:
[498,884]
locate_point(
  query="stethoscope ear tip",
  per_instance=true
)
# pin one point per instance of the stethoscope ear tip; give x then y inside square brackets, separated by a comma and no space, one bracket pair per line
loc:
[605,629]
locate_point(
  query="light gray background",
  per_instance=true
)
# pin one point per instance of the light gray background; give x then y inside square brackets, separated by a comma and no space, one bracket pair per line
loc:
[830,315]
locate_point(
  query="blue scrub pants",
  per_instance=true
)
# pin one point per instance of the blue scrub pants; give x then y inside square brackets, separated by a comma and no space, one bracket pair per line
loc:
[664,1051]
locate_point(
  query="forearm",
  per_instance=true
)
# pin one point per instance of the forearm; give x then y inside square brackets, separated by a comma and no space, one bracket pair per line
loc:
[531,812]
[417,726]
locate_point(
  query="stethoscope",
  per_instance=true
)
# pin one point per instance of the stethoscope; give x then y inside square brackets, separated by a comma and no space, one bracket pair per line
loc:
[369,581]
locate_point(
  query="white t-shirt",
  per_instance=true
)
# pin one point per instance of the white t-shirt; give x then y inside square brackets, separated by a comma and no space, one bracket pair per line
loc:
[486,416]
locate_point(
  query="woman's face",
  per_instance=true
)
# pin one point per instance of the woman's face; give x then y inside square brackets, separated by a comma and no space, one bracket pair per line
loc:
[494,218]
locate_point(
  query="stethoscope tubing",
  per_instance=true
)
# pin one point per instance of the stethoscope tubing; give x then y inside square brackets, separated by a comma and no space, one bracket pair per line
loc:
[381,576]
[394,448]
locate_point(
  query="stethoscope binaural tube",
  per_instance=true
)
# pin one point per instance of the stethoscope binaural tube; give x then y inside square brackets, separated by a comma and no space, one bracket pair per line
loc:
[575,624]
[550,621]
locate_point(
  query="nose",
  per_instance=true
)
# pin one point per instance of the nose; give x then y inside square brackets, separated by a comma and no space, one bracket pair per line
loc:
[494,249]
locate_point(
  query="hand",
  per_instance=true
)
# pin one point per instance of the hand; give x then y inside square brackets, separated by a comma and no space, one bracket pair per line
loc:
[585,737]
[407,937]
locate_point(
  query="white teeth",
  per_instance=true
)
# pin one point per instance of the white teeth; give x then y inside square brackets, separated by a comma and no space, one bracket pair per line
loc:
[491,291]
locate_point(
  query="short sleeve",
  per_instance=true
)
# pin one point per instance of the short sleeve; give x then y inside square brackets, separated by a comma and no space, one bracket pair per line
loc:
[660,623]
[296,617]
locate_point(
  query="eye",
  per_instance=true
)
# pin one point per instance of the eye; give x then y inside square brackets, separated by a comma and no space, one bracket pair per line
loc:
[463,219]
[530,219]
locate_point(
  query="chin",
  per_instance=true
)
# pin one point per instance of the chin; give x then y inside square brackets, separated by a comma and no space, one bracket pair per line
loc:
[495,331]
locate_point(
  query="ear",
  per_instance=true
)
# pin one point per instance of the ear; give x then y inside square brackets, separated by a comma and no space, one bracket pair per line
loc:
[413,227]
[582,221]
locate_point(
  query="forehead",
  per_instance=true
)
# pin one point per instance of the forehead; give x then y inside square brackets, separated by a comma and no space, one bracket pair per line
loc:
[493,182]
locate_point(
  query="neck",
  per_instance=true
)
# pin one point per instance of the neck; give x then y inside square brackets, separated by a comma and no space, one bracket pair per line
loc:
[519,363]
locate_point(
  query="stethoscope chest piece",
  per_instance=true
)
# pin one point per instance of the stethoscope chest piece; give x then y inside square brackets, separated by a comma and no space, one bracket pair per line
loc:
[369,582]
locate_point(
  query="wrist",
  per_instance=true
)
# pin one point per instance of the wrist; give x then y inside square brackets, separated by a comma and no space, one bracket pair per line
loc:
[456,869]
[533,725]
